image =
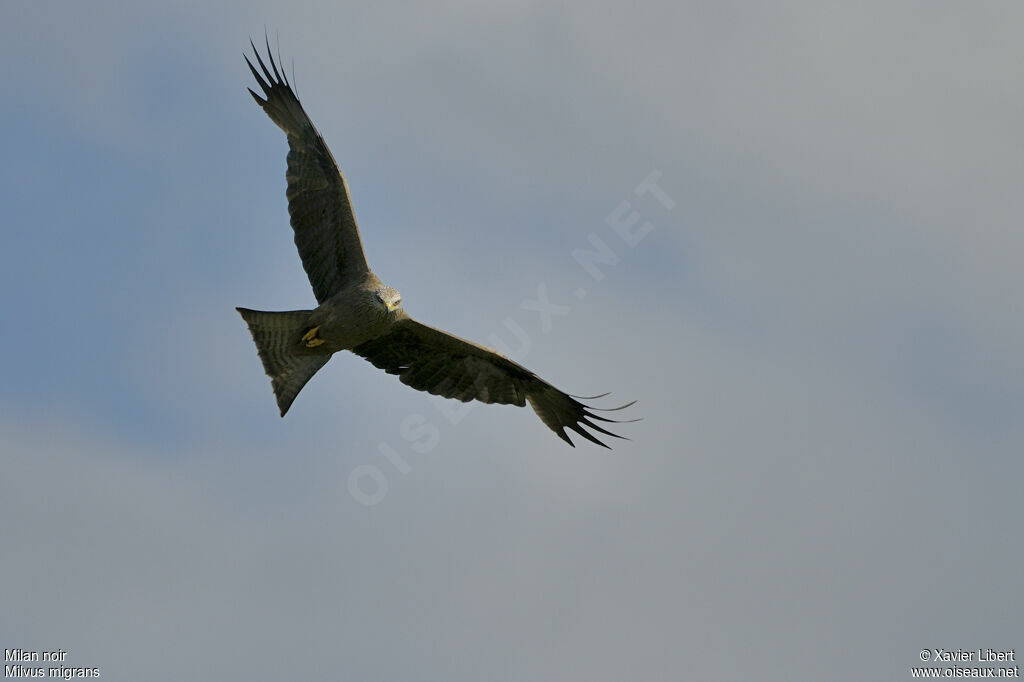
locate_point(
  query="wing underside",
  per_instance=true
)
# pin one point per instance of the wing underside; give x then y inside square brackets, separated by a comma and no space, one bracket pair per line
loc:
[326,232]
[431,360]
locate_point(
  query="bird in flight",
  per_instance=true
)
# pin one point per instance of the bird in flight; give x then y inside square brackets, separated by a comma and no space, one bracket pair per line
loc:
[359,313]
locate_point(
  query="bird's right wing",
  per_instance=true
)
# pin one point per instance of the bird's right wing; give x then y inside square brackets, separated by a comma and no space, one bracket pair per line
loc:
[432,360]
[325,227]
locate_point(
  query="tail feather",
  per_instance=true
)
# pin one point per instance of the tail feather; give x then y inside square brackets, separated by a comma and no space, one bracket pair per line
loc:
[274,335]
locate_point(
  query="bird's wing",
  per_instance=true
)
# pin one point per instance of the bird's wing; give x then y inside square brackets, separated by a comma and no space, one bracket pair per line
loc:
[325,227]
[437,362]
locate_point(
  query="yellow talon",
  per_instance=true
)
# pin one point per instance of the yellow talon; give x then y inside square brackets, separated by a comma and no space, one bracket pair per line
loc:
[311,339]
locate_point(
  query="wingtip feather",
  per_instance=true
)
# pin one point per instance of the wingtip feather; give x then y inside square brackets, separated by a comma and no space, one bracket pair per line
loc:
[270,56]
[561,411]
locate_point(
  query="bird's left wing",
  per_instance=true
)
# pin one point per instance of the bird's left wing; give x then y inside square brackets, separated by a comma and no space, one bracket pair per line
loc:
[325,227]
[432,360]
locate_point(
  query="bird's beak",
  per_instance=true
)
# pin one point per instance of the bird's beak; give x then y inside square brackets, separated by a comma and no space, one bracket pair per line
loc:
[392,307]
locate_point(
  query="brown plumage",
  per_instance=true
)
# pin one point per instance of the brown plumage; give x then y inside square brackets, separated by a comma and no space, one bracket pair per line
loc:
[358,313]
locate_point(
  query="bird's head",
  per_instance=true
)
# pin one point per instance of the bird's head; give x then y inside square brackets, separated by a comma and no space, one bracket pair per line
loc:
[389,298]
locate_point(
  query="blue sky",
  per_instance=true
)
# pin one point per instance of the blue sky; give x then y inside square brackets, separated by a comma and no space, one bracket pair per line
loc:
[823,333]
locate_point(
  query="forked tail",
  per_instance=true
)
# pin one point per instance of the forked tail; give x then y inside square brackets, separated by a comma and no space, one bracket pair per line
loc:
[275,334]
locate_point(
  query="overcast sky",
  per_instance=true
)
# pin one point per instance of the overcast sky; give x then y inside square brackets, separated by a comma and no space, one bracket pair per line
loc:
[818,311]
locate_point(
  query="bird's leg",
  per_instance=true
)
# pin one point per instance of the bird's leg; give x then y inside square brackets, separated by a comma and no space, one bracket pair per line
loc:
[311,338]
